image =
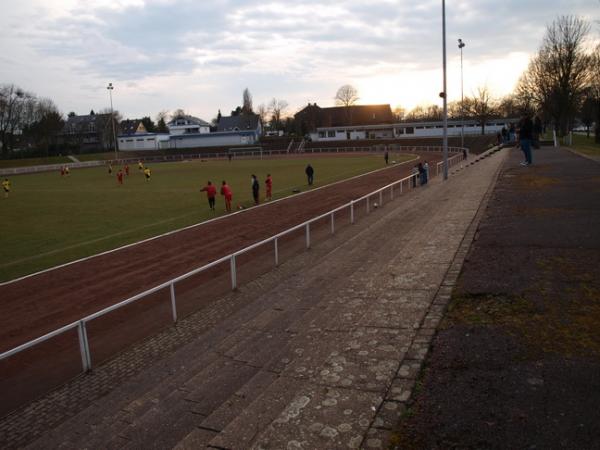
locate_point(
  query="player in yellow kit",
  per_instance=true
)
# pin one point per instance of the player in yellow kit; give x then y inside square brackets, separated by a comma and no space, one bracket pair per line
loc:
[147,173]
[6,187]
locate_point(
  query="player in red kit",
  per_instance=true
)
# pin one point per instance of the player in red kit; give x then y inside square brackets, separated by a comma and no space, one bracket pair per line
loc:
[228,194]
[269,185]
[127,169]
[120,177]
[211,192]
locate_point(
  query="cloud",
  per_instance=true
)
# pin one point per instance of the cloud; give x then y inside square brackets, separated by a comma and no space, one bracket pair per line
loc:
[168,53]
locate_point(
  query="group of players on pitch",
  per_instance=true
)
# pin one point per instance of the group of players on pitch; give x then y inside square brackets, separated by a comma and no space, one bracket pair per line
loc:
[227,193]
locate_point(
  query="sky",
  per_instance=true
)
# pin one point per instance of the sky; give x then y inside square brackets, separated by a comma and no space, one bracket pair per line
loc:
[201,55]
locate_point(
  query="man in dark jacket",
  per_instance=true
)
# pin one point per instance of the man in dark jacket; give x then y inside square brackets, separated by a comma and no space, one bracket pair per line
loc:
[255,189]
[310,172]
[525,136]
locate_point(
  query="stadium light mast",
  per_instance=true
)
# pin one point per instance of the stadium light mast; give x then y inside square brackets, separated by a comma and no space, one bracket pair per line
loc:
[461,45]
[443,93]
[110,88]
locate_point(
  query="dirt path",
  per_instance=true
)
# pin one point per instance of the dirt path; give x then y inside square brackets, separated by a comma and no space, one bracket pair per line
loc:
[42,303]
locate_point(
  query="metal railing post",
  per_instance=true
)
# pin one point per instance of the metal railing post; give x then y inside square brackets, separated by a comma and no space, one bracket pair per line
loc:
[84,347]
[173,303]
[276,252]
[233,273]
[332,223]
[308,235]
[380,198]
[401,182]
[367,204]
[392,192]
[352,211]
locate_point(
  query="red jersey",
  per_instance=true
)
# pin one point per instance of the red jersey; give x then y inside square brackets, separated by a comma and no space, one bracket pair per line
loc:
[210,190]
[269,182]
[226,191]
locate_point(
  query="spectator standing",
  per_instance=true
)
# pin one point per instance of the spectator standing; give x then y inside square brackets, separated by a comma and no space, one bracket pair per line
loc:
[310,174]
[421,171]
[211,192]
[525,135]
[512,133]
[255,189]
[415,173]
[426,168]
[386,157]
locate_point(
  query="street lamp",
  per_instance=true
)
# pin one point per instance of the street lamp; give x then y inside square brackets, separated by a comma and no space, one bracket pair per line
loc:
[110,88]
[461,45]
[443,93]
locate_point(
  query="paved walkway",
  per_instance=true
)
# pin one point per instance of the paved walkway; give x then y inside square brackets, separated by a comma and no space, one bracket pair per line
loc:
[516,363]
[320,353]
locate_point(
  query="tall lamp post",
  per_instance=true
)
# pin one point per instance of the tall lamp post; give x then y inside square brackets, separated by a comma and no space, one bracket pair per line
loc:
[443,93]
[461,45]
[110,88]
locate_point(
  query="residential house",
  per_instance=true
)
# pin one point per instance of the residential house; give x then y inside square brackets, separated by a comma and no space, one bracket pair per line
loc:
[188,125]
[311,117]
[91,132]
[243,129]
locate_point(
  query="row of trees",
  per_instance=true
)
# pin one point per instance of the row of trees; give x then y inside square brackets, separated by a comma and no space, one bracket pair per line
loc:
[562,81]
[26,118]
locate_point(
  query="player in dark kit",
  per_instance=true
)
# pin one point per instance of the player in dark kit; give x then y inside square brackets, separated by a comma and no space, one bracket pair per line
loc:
[211,192]
[310,174]
[255,189]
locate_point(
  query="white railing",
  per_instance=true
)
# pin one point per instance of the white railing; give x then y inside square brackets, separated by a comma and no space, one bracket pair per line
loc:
[392,189]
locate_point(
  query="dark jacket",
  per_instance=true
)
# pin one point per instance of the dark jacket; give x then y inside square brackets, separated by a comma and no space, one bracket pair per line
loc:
[525,128]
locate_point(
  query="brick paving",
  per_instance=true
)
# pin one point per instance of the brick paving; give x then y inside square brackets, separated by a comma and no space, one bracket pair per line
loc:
[319,353]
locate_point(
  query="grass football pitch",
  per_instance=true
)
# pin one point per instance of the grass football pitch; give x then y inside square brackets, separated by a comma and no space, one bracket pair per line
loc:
[49,220]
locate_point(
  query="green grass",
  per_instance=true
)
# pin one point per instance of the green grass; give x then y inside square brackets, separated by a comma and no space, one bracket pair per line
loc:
[585,145]
[49,219]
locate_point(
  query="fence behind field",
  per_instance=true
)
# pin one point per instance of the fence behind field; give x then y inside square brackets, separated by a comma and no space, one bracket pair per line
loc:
[255,152]
[101,335]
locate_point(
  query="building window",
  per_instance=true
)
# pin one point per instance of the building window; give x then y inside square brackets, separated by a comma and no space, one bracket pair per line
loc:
[150,139]
[321,134]
[409,130]
[331,134]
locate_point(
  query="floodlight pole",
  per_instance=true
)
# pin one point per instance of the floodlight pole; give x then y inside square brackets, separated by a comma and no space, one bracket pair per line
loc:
[443,93]
[110,88]
[461,45]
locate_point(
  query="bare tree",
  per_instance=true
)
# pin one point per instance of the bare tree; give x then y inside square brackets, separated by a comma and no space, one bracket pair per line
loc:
[558,74]
[481,106]
[178,113]
[399,112]
[11,100]
[247,102]
[262,112]
[161,121]
[276,109]
[346,96]
[594,87]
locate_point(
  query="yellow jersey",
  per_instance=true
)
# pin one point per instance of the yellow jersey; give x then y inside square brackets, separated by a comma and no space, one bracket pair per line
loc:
[6,185]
